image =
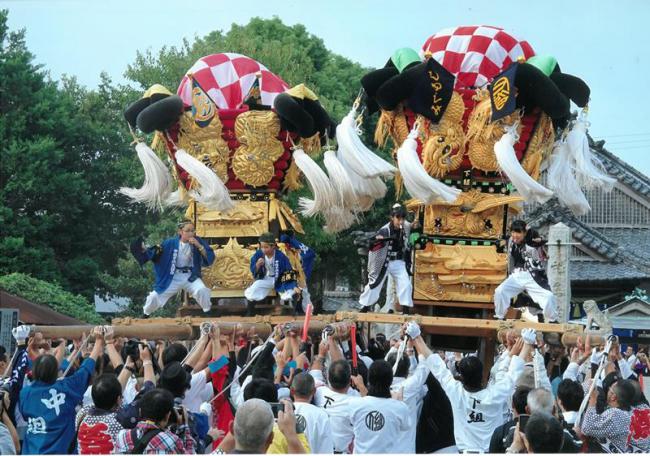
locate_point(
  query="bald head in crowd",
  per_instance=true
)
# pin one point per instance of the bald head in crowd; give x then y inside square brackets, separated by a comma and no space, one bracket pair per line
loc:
[253,427]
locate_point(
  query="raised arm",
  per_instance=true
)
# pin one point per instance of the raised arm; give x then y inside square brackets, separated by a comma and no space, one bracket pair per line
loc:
[147,364]
[196,354]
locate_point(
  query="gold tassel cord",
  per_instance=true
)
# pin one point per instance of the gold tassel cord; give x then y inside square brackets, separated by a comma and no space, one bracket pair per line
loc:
[539,147]
[482,133]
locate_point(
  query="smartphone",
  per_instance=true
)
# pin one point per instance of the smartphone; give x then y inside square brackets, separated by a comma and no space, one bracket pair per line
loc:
[522,420]
[276,407]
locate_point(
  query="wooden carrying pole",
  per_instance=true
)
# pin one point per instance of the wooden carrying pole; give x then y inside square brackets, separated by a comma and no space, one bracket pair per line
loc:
[187,328]
[153,332]
[157,330]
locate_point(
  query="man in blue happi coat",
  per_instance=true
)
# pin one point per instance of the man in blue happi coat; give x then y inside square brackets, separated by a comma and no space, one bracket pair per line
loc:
[177,265]
[307,260]
[271,270]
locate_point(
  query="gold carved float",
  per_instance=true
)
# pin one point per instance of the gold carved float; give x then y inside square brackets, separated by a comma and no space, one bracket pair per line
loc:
[540,146]
[443,144]
[473,214]
[458,273]
[248,218]
[230,275]
[205,143]
[482,133]
[253,161]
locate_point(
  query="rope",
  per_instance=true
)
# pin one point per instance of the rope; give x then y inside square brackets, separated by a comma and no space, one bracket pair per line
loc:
[5,374]
[400,354]
[585,401]
[74,355]
[216,396]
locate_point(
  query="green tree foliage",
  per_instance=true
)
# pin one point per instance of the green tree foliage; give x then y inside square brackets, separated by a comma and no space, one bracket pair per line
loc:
[50,295]
[65,154]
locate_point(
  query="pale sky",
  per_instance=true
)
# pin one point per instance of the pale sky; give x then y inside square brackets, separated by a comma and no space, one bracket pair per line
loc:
[603,42]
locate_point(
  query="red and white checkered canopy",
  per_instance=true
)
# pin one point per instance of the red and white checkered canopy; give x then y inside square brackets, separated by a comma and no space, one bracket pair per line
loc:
[476,54]
[227,79]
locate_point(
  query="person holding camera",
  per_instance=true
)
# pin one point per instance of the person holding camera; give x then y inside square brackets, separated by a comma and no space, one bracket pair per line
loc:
[152,434]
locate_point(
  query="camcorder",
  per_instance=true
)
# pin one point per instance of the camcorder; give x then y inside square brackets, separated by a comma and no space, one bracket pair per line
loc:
[132,348]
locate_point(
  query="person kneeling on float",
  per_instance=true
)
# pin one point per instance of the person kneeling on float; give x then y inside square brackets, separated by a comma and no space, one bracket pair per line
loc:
[271,270]
[177,266]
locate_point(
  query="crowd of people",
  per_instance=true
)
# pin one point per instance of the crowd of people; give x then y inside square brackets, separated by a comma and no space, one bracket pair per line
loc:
[241,393]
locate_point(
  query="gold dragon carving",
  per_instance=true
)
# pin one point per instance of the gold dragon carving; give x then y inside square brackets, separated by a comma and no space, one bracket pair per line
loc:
[392,124]
[232,270]
[482,133]
[458,273]
[253,161]
[443,144]
[539,147]
[205,143]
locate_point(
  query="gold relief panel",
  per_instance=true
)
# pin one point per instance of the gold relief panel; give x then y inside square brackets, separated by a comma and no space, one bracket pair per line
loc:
[230,274]
[253,161]
[473,214]
[205,144]
[458,273]
[248,218]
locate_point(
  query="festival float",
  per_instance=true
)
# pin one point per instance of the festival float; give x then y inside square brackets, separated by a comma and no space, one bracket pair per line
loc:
[471,118]
[237,139]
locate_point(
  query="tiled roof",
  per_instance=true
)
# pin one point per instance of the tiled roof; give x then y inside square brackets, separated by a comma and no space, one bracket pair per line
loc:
[626,249]
[621,170]
[590,271]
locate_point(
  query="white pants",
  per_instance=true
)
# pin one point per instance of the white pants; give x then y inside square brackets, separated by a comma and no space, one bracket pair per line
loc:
[520,281]
[196,289]
[397,270]
[261,288]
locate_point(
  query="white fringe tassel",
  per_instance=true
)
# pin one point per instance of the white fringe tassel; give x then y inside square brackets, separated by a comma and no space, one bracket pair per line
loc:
[340,180]
[177,198]
[361,160]
[562,181]
[367,190]
[211,192]
[589,170]
[344,214]
[338,219]
[157,183]
[416,179]
[323,193]
[526,186]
